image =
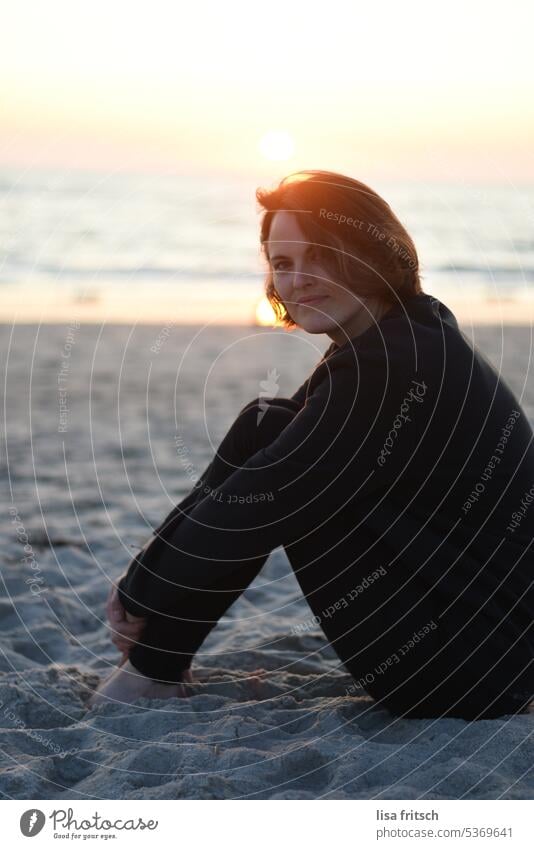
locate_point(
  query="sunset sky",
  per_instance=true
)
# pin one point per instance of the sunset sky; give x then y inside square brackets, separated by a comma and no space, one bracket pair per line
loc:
[416,90]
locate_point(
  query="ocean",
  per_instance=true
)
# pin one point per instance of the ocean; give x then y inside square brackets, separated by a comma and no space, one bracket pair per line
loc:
[134,247]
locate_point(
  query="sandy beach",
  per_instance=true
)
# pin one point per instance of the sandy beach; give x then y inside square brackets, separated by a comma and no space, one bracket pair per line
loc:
[93,417]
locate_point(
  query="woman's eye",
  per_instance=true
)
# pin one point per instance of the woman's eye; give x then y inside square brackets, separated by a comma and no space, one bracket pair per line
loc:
[279,266]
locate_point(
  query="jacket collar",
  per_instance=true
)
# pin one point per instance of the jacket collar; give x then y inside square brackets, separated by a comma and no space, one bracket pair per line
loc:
[421,308]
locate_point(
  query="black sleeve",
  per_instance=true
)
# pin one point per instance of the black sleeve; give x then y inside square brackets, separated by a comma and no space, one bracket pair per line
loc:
[300,395]
[325,456]
[302,392]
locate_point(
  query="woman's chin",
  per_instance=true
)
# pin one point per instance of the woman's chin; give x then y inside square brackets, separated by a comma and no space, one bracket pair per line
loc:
[316,323]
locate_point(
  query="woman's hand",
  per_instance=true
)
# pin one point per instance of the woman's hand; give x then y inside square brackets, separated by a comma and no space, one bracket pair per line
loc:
[126,630]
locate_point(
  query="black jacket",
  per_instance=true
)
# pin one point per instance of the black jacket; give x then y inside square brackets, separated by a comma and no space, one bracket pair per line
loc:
[408,448]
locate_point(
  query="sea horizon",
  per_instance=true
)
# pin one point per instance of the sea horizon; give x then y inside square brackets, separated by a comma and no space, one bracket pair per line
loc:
[130,248]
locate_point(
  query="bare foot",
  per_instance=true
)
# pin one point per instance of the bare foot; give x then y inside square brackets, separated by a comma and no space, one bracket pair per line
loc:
[126,684]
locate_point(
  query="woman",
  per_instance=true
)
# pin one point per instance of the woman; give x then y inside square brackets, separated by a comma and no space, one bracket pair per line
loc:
[391,478]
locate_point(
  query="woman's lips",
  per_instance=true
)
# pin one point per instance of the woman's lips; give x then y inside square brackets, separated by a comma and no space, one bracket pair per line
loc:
[313,300]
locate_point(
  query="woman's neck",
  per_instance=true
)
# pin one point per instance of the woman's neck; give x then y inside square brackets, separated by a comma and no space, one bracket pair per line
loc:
[367,315]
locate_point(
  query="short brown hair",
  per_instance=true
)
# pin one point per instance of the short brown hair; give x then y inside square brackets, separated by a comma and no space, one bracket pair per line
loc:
[361,237]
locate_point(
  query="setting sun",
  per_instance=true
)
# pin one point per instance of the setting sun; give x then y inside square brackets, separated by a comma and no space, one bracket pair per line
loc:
[265,315]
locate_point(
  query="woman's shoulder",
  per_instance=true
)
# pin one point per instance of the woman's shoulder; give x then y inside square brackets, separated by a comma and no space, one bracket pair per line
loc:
[417,339]
[419,316]
[415,329]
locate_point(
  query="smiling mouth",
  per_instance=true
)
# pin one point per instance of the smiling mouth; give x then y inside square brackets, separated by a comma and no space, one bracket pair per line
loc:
[312,300]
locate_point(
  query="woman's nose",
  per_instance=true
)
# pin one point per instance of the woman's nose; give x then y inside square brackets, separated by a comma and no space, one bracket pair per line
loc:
[301,278]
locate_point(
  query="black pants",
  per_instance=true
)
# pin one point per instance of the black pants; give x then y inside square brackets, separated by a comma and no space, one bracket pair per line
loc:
[402,680]
[168,644]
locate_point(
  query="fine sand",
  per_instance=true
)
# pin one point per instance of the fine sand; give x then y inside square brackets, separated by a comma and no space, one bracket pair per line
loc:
[94,419]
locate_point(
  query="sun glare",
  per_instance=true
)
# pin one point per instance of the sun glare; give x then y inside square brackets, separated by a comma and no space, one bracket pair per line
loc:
[265,315]
[277,145]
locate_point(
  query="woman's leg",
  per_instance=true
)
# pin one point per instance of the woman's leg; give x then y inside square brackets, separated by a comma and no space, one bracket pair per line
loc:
[169,643]
[395,641]
[365,612]
[238,444]
[484,672]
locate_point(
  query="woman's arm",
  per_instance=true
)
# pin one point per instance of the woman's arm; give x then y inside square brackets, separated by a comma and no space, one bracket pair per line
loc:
[302,392]
[323,458]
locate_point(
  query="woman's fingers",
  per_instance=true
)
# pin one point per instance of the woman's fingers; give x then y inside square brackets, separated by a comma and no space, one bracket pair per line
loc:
[133,626]
[116,606]
[124,631]
[140,620]
[114,609]
[130,627]
[125,628]
[123,649]
[123,644]
[128,633]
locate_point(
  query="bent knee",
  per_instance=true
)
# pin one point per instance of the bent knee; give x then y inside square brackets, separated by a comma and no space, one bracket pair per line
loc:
[263,420]
[254,403]
[282,403]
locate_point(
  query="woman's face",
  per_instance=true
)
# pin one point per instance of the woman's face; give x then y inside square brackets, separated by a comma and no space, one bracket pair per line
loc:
[314,301]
